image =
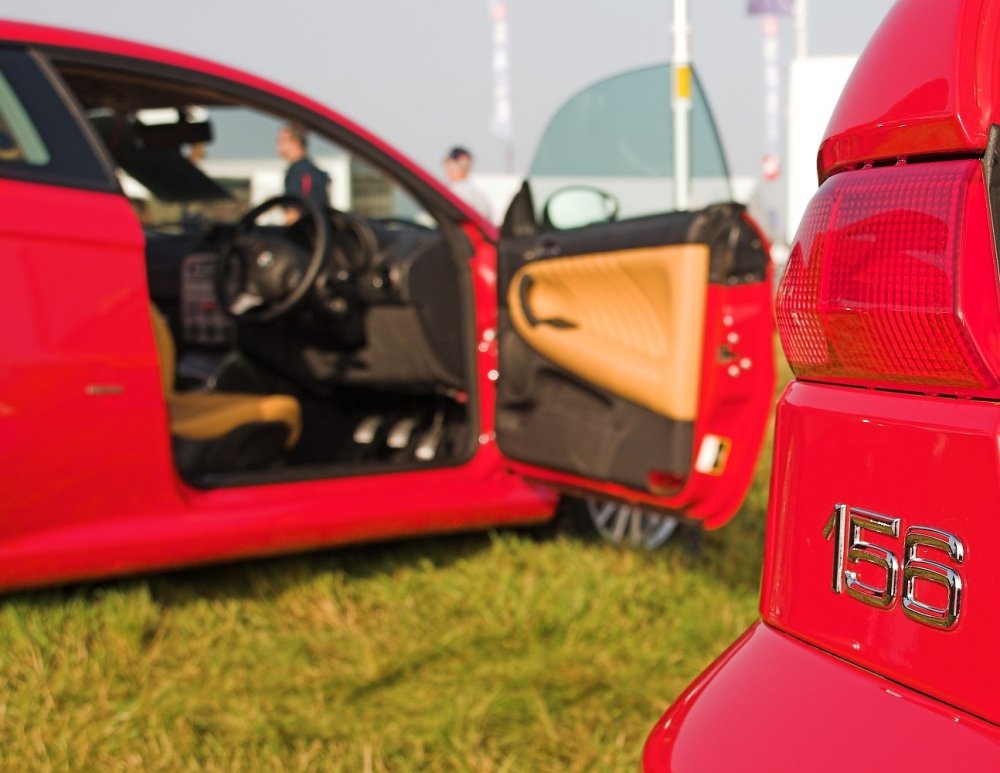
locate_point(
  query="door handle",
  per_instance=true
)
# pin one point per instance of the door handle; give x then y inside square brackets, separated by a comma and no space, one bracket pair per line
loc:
[523,290]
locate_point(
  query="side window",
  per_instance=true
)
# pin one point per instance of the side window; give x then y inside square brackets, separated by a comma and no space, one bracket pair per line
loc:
[40,138]
[243,157]
[20,142]
[607,153]
[208,163]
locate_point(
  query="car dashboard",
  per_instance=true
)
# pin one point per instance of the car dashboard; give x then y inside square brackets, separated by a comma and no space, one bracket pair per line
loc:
[386,314]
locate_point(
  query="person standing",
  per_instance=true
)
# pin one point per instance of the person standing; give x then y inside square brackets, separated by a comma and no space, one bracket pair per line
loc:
[457,165]
[303,178]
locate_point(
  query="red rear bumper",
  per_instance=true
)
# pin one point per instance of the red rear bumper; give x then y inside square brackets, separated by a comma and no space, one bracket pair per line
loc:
[772,703]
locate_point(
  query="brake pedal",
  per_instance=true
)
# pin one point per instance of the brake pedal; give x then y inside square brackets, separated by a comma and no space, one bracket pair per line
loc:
[429,443]
[401,432]
[365,432]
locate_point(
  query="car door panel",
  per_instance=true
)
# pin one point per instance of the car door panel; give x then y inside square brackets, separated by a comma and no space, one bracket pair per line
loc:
[613,356]
[81,413]
[629,322]
[551,419]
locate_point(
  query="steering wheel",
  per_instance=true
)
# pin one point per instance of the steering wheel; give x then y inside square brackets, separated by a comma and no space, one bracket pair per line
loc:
[264,275]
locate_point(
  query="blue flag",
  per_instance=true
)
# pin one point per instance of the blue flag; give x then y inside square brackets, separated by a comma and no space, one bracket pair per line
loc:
[771,7]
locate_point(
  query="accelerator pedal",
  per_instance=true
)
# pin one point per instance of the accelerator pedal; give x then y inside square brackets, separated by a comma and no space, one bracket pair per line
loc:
[430,441]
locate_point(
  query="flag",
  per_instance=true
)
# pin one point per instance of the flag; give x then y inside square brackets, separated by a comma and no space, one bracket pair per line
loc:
[501,122]
[771,7]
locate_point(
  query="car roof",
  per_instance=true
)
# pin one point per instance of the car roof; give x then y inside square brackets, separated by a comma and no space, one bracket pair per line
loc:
[55,37]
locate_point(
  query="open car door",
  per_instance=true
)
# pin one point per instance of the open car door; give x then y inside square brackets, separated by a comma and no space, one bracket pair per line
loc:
[636,356]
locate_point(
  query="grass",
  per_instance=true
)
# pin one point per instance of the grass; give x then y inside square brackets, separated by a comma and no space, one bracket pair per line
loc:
[483,652]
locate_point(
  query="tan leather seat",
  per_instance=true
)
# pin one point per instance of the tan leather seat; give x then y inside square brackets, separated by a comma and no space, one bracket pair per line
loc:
[207,416]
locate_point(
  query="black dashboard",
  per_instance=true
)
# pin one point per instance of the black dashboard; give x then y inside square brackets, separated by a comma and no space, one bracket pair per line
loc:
[385,310]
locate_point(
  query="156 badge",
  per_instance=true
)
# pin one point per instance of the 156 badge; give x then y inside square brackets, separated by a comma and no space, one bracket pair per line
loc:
[928,556]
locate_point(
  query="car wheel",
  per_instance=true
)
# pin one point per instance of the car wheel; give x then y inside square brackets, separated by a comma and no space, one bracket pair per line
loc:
[631,525]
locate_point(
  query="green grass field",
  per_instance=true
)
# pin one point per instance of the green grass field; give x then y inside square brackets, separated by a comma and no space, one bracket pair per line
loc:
[484,652]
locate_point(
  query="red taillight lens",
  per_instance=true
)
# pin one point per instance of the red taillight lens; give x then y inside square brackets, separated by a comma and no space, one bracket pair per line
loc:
[892,281]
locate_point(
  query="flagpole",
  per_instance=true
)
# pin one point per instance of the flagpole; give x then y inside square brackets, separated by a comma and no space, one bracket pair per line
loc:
[801,29]
[681,102]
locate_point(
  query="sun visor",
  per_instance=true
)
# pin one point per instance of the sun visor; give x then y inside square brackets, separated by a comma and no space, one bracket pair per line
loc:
[170,176]
[165,171]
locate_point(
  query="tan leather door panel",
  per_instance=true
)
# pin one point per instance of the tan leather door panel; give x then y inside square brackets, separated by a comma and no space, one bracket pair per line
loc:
[630,322]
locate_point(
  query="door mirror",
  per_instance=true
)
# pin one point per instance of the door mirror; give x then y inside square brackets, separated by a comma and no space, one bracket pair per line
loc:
[577,206]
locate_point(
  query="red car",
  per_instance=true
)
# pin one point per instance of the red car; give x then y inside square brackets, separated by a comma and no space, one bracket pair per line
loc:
[875,651]
[186,378]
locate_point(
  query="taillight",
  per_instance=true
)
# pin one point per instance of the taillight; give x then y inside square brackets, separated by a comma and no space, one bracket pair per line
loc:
[892,282]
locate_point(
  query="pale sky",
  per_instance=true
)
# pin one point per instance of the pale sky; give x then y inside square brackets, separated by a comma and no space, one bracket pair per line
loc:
[419,73]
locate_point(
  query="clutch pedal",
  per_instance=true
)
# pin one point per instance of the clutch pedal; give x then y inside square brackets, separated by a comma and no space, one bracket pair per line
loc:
[365,432]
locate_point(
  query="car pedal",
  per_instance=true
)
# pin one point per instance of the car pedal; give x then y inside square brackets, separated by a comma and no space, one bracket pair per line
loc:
[401,432]
[429,443]
[365,432]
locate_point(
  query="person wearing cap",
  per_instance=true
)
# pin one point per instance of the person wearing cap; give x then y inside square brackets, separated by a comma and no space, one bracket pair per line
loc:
[303,178]
[457,165]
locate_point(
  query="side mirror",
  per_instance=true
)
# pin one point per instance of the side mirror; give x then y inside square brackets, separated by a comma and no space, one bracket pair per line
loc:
[577,206]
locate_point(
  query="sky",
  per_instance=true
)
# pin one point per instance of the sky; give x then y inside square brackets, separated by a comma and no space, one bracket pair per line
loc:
[418,74]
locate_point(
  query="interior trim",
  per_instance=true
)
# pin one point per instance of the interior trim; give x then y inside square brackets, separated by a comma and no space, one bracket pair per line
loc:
[630,322]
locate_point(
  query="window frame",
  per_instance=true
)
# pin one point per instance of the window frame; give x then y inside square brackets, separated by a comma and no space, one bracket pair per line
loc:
[442,209]
[75,159]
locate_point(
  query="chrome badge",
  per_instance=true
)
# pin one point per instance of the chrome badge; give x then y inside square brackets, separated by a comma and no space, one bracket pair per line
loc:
[928,555]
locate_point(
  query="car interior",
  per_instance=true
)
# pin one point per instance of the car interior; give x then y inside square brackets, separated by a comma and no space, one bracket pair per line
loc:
[334,345]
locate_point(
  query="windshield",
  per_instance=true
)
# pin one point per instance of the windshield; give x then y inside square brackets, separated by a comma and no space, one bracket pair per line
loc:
[617,136]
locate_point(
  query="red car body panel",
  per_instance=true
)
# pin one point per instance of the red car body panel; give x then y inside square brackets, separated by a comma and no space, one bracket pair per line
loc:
[89,486]
[68,252]
[772,702]
[104,497]
[844,673]
[928,83]
[230,523]
[928,461]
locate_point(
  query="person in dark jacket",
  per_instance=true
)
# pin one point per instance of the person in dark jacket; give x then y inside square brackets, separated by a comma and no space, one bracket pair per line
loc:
[303,178]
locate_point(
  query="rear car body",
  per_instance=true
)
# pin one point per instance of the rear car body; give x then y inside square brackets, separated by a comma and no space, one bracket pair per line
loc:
[876,647]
